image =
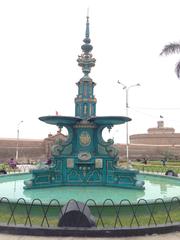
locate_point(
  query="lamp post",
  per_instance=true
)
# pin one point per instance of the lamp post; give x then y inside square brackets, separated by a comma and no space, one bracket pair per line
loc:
[126,88]
[17,141]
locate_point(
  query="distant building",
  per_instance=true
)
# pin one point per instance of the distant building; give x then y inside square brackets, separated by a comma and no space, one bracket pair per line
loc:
[157,143]
[157,136]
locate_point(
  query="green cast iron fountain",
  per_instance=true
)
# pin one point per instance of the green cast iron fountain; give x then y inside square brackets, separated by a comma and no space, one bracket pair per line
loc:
[84,159]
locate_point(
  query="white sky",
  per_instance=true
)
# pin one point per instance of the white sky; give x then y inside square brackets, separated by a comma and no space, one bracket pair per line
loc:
[39,44]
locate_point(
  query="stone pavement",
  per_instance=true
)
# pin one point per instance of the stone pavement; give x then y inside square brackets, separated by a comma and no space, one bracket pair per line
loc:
[169,236]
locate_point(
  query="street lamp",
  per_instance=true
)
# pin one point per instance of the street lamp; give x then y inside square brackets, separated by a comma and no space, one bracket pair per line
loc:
[17,142]
[126,88]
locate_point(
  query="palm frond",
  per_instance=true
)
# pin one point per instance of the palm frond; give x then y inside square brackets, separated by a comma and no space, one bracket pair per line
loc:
[177,69]
[170,49]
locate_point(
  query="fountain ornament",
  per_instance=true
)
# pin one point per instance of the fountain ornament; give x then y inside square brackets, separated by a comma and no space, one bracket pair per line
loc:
[84,159]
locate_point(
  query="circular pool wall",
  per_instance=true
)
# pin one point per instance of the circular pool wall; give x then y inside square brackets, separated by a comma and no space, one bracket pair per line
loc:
[156,186]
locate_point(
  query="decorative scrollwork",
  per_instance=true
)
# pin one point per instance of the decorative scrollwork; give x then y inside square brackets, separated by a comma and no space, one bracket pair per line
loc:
[56,149]
[100,138]
[112,151]
[70,136]
[60,145]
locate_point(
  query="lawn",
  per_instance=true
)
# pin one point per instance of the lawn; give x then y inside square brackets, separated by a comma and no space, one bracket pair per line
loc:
[156,166]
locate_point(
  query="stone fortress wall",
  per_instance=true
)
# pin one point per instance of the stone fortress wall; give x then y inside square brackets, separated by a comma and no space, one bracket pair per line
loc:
[151,152]
[157,143]
[29,150]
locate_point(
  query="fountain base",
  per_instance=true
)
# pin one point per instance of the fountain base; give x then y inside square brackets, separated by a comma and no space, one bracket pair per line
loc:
[84,174]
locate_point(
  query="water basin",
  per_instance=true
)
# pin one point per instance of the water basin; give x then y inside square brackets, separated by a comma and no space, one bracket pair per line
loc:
[156,186]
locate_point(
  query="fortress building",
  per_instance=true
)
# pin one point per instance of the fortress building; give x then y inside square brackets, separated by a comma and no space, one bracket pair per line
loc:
[159,135]
[159,142]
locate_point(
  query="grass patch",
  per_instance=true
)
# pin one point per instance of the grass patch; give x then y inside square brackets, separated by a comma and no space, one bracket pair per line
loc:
[156,168]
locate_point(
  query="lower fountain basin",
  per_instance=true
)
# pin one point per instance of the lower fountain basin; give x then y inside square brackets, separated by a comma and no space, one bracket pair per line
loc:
[156,186]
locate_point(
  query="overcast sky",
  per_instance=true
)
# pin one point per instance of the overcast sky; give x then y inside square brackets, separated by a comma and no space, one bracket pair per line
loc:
[40,41]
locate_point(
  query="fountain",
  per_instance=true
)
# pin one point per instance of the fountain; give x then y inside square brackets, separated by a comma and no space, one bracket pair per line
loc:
[84,159]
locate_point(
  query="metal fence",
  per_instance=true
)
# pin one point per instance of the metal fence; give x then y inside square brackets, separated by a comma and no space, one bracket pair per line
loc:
[141,167]
[19,168]
[157,169]
[108,215]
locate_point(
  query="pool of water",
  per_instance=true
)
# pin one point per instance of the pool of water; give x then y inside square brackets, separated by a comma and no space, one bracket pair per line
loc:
[11,187]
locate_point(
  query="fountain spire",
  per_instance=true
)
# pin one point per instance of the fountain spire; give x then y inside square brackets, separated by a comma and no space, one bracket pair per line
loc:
[87,24]
[85,102]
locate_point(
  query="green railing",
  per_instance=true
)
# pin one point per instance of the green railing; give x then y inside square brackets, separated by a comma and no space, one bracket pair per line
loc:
[156,168]
[109,215]
[141,167]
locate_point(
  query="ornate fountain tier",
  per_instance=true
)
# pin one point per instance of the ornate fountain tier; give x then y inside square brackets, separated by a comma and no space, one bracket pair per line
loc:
[84,158]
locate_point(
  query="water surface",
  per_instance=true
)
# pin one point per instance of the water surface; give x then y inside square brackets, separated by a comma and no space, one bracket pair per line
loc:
[11,187]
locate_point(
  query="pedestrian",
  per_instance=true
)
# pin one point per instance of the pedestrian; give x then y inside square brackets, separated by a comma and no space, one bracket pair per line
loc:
[164,161]
[49,161]
[12,163]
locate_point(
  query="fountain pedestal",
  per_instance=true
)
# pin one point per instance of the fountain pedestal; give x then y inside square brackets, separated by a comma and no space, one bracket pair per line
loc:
[84,158]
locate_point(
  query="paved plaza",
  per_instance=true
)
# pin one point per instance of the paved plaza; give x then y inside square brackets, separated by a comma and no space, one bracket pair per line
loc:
[169,236]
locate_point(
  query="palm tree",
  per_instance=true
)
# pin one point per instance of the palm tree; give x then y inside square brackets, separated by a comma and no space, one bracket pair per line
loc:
[172,48]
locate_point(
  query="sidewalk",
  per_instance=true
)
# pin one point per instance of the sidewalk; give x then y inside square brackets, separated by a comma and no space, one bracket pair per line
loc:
[169,236]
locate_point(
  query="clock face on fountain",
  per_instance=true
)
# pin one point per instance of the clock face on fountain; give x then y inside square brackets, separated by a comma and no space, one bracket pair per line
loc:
[84,156]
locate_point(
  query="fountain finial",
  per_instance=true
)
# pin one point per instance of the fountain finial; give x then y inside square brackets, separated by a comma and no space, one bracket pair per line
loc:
[87,24]
[86,60]
[87,47]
